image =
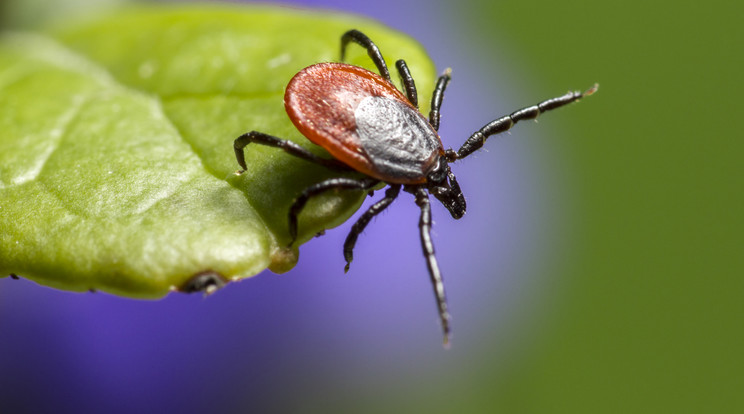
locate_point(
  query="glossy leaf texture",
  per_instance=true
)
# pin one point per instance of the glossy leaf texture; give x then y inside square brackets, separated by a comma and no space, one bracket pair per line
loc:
[117,171]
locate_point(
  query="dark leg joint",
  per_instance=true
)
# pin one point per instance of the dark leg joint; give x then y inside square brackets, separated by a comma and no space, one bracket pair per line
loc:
[474,143]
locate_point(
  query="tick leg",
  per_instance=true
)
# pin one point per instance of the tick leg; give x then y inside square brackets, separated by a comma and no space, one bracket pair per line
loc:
[331,184]
[288,147]
[505,123]
[422,200]
[410,85]
[390,194]
[372,50]
[436,98]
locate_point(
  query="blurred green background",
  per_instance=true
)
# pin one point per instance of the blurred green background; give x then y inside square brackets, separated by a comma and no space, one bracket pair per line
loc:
[651,311]
[647,312]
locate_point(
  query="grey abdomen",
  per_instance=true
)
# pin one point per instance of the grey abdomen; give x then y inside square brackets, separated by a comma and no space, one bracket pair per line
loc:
[399,141]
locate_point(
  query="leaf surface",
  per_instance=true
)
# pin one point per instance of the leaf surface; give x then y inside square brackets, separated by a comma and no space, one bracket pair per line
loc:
[116,164]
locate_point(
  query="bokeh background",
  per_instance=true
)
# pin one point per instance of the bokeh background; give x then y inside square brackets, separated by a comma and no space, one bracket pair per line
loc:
[600,267]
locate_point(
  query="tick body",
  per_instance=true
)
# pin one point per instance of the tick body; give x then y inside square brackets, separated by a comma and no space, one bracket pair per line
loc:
[362,120]
[369,126]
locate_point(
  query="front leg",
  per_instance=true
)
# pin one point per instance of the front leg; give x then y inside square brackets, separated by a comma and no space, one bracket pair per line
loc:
[505,123]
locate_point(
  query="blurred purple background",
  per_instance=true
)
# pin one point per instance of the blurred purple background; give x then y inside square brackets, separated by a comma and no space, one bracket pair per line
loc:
[315,338]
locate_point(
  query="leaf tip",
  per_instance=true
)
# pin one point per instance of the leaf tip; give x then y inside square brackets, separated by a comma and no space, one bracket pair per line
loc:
[283,259]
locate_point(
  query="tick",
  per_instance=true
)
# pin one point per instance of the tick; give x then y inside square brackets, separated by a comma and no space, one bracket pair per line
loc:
[369,126]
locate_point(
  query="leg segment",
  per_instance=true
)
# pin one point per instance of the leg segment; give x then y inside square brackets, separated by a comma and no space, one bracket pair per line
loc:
[505,123]
[364,184]
[288,146]
[390,194]
[436,98]
[410,85]
[372,50]
[422,200]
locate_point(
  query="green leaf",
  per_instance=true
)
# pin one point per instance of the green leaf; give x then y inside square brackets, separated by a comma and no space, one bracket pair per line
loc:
[116,165]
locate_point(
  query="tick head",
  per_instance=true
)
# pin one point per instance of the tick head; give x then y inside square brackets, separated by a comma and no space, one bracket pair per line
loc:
[442,183]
